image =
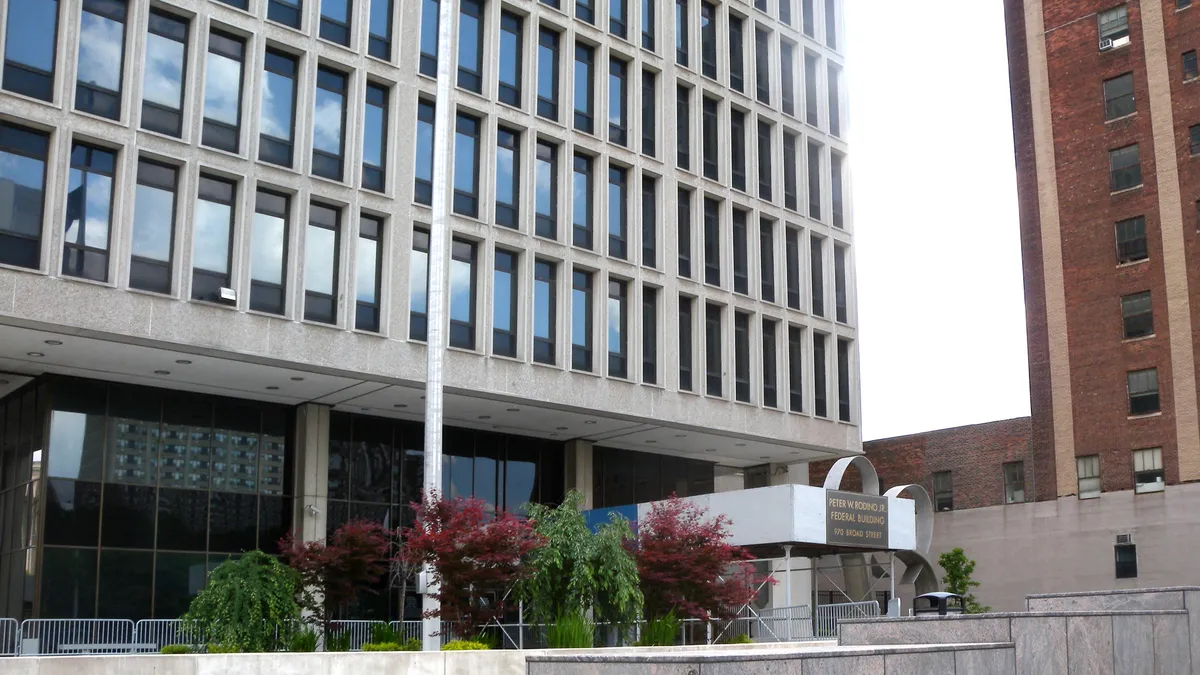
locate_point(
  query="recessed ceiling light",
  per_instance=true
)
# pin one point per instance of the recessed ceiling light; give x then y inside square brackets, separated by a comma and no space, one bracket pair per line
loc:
[651,442]
[54,343]
[740,445]
[183,362]
[36,355]
[162,372]
[680,435]
[297,379]
[561,428]
[764,457]
[590,422]
[485,417]
[795,452]
[710,449]
[366,410]
[272,388]
[513,409]
[422,398]
[400,405]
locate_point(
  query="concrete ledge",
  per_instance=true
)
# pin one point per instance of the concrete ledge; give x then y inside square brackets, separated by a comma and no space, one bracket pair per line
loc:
[1011,615]
[748,655]
[1124,591]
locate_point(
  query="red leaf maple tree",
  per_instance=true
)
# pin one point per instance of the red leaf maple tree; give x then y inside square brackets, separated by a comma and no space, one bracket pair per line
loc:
[687,564]
[333,573]
[476,556]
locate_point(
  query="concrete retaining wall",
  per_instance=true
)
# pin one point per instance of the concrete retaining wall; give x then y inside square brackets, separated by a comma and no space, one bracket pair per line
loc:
[1156,642]
[345,663]
[985,659]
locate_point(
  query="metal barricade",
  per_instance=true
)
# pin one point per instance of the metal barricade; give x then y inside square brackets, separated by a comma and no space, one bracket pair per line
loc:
[828,616]
[76,636]
[163,632]
[358,632]
[407,630]
[10,642]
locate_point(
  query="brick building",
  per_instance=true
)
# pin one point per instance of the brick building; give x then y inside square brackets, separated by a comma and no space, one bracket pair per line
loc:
[1101,485]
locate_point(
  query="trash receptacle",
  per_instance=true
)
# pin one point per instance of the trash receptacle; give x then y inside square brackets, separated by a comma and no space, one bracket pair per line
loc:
[938,603]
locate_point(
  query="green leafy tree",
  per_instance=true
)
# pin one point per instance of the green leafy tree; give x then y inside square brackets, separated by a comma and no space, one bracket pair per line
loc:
[577,571]
[249,605]
[958,579]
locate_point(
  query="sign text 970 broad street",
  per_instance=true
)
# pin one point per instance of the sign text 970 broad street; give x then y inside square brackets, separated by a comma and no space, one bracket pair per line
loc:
[858,520]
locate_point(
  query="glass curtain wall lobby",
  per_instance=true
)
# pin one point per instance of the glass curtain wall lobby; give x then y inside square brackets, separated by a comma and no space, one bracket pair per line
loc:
[117,499]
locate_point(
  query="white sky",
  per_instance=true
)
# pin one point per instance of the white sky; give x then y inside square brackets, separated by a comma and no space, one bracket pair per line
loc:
[940,303]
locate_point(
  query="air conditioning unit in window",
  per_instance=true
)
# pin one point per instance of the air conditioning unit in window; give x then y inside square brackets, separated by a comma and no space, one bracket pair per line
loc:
[1124,538]
[1106,44]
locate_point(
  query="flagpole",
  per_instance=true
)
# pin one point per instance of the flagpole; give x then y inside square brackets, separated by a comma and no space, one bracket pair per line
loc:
[439,235]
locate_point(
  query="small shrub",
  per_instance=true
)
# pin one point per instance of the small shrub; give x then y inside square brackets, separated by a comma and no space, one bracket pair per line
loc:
[464,645]
[176,649]
[382,633]
[412,645]
[660,632]
[337,643]
[572,631]
[740,639]
[304,640]
[382,647]
[223,649]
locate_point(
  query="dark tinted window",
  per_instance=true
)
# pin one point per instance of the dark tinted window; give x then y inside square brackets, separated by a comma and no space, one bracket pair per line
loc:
[30,42]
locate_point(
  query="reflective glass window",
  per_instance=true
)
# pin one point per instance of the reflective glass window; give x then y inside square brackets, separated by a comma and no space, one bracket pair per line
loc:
[368,268]
[546,190]
[153,239]
[581,202]
[101,57]
[547,74]
[276,115]
[423,190]
[211,238]
[375,125]
[508,177]
[88,212]
[223,91]
[379,41]
[462,295]
[470,45]
[268,252]
[581,320]
[321,243]
[329,122]
[504,304]
[466,165]
[544,317]
[429,37]
[511,49]
[335,21]
[418,283]
[29,48]
[618,212]
[163,78]
[618,329]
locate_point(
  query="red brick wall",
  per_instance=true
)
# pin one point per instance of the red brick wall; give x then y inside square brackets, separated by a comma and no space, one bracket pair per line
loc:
[973,454]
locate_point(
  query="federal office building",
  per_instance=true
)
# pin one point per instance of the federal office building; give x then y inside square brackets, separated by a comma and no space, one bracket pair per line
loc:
[213,267]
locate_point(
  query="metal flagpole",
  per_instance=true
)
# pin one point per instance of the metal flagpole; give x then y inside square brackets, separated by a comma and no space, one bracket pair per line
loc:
[439,235]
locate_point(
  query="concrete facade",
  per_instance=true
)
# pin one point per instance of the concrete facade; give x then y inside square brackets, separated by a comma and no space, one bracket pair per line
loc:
[755,398]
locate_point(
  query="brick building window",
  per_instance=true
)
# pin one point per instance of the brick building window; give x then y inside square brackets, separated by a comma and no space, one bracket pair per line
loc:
[1131,240]
[1126,561]
[1118,97]
[1088,469]
[943,491]
[1183,4]
[1194,139]
[1190,71]
[1147,471]
[1124,168]
[1014,482]
[1137,314]
[1114,25]
[1143,391]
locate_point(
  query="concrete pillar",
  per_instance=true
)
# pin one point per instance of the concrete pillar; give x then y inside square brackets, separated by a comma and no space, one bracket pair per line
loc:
[801,583]
[312,471]
[579,470]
